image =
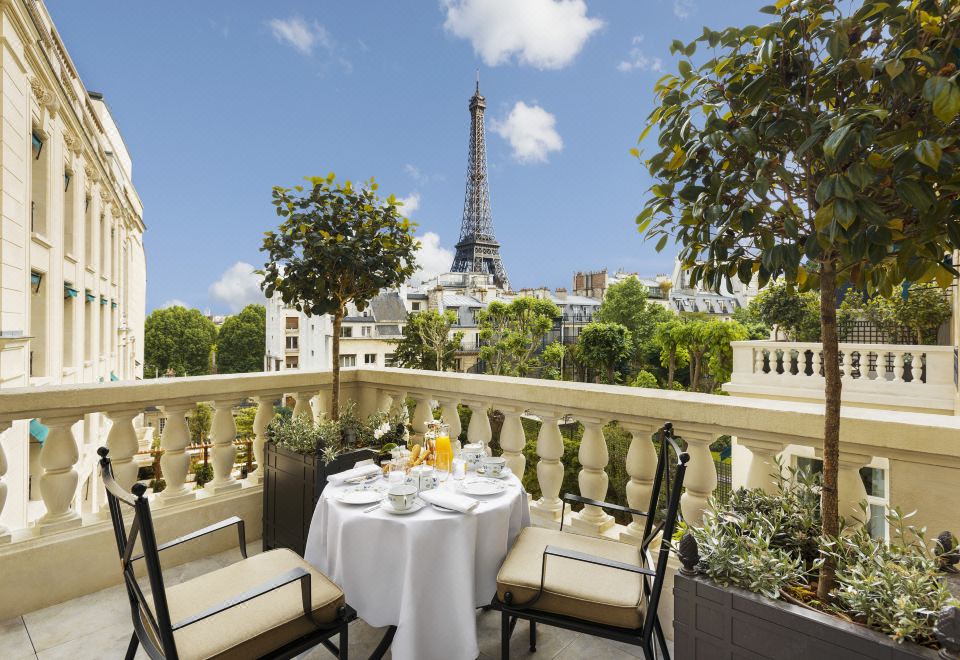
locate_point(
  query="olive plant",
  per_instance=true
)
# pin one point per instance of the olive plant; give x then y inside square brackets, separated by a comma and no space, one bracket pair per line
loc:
[819,149]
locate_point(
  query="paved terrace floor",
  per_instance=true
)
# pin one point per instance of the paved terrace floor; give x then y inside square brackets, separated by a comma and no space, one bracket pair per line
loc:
[97,626]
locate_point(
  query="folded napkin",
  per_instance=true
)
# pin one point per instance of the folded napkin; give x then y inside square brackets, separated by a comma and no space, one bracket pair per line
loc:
[353,473]
[449,500]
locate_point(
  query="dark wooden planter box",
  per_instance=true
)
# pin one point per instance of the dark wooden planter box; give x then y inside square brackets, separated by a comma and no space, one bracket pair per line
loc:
[722,623]
[292,484]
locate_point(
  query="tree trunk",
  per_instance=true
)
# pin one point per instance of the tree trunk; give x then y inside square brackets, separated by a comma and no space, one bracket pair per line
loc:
[335,397]
[671,368]
[829,506]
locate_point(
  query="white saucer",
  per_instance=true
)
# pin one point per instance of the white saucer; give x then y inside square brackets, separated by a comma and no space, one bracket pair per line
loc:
[417,505]
[359,495]
[482,486]
[503,475]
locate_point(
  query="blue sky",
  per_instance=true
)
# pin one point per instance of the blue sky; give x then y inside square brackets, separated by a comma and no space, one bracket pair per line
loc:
[219,101]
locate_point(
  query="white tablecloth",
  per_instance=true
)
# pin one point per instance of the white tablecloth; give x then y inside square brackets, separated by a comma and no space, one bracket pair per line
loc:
[425,572]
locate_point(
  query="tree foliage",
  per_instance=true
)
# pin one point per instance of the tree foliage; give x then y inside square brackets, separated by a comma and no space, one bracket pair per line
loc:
[244,421]
[242,341]
[820,148]
[794,313]
[922,309]
[177,340]
[645,379]
[336,244]
[199,422]
[669,338]
[513,334]
[427,342]
[626,303]
[603,346]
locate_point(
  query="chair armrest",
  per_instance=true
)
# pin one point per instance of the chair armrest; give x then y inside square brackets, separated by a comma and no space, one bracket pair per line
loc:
[577,499]
[223,524]
[555,551]
[292,575]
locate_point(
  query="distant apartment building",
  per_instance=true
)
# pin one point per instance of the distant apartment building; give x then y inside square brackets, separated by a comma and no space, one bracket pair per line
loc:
[72,265]
[367,338]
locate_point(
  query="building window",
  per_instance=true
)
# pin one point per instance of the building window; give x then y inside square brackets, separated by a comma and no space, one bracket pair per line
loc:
[69,230]
[39,349]
[346,331]
[389,360]
[293,323]
[348,360]
[370,358]
[38,186]
[366,331]
[293,343]
[88,338]
[88,232]
[292,362]
[415,306]
[69,297]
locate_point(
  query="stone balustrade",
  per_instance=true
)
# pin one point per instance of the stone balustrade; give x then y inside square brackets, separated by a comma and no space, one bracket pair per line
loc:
[920,452]
[897,376]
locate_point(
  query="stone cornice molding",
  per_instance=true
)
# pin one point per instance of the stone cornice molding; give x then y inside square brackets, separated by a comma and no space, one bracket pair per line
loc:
[73,143]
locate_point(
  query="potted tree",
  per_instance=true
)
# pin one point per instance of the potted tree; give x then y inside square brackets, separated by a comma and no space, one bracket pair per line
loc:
[336,245]
[819,150]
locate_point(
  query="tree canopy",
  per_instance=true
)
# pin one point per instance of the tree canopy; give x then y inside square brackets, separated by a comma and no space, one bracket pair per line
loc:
[336,244]
[242,341]
[513,334]
[820,149]
[177,340]
[603,346]
[427,342]
[626,303]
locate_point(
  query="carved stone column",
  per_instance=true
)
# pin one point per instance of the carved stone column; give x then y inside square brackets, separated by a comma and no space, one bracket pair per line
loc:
[223,432]
[175,462]
[260,422]
[701,476]
[479,428]
[422,414]
[123,445]
[58,483]
[642,468]
[763,450]
[302,407]
[4,532]
[593,478]
[512,440]
[550,467]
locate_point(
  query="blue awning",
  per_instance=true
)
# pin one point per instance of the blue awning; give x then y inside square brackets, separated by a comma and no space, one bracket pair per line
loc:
[113,377]
[39,431]
[90,297]
[103,301]
[37,146]
[35,279]
[69,291]
[113,305]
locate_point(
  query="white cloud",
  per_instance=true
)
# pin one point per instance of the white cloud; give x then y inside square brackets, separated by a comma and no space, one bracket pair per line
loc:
[639,60]
[432,258]
[531,132]
[174,302]
[299,34]
[683,9]
[237,287]
[546,34]
[415,173]
[410,203]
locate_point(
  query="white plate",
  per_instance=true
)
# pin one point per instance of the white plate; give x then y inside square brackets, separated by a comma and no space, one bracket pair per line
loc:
[503,475]
[359,495]
[482,486]
[417,505]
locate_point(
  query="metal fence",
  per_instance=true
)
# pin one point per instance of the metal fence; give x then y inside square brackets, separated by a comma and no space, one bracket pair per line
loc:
[724,481]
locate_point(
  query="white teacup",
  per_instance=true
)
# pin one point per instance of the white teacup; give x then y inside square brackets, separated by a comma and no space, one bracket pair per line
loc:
[402,496]
[472,454]
[493,465]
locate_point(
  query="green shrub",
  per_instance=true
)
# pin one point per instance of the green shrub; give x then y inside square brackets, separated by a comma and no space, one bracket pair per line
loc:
[645,379]
[202,474]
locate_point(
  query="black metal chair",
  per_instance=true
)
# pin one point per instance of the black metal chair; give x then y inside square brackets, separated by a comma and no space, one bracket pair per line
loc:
[250,609]
[591,585]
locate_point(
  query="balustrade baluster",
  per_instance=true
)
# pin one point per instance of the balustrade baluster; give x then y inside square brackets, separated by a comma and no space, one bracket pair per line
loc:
[4,532]
[758,356]
[846,364]
[422,414]
[451,417]
[384,401]
[642,468]
[479,428]
[818,368]
[302,407]
[58,483]
[175,462]
[593,478]
[223,432]
[762,467]
[512,440]
[260,423]
[123,445]
[550,467]
[701,477]
[897,367]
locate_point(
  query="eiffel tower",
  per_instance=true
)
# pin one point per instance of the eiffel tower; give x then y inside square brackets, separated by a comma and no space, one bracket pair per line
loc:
[478,250]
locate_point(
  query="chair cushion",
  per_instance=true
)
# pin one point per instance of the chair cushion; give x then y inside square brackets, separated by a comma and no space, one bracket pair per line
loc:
[258,626]
[573,588]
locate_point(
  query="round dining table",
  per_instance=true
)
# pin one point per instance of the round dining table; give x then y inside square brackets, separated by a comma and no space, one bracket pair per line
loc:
[426,572]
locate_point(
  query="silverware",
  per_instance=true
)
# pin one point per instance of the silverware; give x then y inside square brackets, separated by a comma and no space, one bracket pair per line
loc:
[371,508]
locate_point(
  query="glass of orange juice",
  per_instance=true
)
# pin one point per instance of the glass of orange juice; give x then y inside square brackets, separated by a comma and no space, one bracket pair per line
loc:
[444,453]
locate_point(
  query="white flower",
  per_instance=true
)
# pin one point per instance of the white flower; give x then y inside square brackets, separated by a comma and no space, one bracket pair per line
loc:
[378,434]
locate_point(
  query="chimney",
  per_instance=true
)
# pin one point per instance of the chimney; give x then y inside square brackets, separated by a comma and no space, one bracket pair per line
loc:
[561,293]
[435,299]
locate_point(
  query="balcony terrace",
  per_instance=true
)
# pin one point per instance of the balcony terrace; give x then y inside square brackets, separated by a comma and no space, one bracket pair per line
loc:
[68,552]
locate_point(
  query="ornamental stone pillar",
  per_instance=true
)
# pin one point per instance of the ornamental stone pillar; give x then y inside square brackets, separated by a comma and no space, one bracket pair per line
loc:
[642,468]
[58,483]
[175,461]
[593,478]
[549,467]
[223,432]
